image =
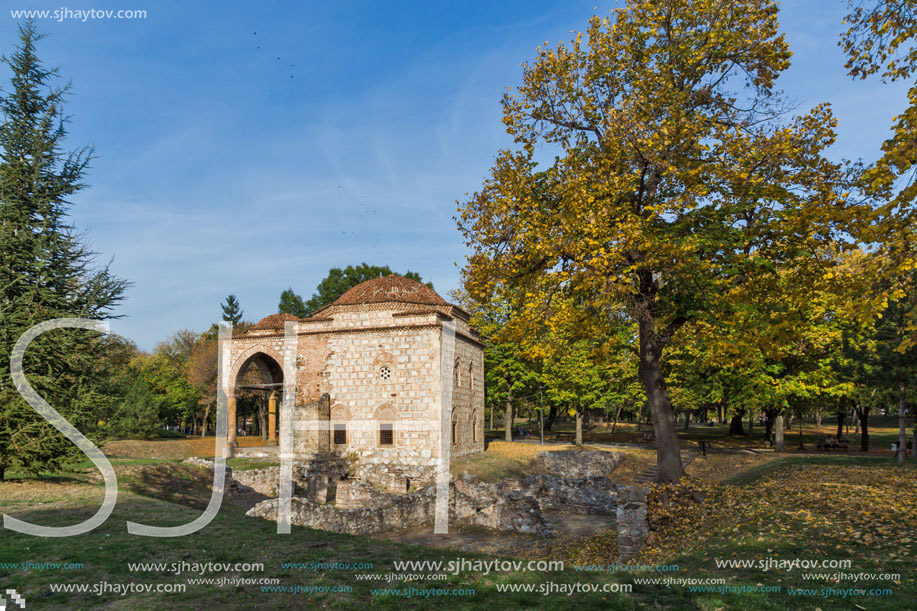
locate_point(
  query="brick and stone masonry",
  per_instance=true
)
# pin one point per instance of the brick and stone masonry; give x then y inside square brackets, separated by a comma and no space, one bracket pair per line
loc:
[369,382]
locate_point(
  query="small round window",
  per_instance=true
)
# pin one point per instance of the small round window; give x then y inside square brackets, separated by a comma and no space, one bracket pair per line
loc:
[385,372]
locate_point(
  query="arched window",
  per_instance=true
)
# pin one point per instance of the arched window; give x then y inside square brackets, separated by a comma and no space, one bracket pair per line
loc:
[385,418]
[456,375]
[471,377]
[454,427]
[340,416]
[474,427]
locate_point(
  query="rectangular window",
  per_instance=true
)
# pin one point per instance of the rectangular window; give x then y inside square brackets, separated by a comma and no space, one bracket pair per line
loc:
[340,434]
[386,435]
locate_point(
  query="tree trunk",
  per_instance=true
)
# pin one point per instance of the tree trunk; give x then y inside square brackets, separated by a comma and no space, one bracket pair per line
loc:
[508,419]
[818,422]
[751,421]
[841,416]
[770,416]
[615,423]
[668,454]
[491,417]
[552,415]
[856,424]
[579,428]
[778,434]
[687,420]
[902,432]
[204,421]
[863,416]
[735,425]
[720,413]
[2,471]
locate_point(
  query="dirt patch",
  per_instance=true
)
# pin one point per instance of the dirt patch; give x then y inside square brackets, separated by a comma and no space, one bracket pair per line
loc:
[170,448]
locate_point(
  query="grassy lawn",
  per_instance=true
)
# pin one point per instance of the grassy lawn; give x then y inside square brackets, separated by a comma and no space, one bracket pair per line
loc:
[757,508]
[883,431]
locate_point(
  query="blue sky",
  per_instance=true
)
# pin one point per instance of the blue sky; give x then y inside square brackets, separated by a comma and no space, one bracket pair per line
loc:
[223,169]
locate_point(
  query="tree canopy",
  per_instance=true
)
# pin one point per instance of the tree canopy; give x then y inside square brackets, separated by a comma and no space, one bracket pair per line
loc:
[338,281]
[679,178]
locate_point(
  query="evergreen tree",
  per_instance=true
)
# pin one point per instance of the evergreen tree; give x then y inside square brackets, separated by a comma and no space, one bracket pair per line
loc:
[138,416]
[291,303]
[45,270]
[231,310]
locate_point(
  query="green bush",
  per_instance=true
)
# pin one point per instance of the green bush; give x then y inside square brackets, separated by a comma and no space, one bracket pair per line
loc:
[167,434]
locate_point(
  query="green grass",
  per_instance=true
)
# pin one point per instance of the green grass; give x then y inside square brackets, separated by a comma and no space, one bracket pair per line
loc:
[248,464]
[232,537]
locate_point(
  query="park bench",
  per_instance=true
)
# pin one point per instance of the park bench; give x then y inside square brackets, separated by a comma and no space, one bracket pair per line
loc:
[825,447]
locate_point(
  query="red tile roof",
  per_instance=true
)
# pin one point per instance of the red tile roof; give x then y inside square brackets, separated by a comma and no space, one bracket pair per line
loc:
[388,289]
[274,321]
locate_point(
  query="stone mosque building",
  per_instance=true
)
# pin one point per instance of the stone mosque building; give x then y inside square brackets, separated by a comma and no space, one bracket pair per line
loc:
[369,370]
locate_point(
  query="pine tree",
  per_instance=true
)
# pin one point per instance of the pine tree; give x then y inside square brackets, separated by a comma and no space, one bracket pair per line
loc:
[231,310]
[45,270]
[138,416]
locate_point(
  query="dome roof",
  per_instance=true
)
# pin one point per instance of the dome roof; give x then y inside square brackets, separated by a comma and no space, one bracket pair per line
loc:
[274,321]
[390,289]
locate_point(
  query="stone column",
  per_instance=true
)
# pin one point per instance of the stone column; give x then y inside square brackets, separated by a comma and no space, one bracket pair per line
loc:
[272,418]
[231,433]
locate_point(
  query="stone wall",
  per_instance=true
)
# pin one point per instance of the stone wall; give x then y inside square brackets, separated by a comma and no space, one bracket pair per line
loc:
[361,366]
[632,524]
[580,463]
[467,394]
[262,481]
[512,505]
[509,506]
[470,504]
[310,431]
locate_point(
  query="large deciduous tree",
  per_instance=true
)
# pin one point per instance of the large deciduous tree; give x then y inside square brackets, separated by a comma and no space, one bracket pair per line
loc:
[677,178]
[291,303]
[338,281]
[882,40]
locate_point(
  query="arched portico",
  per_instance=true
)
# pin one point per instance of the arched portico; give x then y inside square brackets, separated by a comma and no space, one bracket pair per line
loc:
[267,362]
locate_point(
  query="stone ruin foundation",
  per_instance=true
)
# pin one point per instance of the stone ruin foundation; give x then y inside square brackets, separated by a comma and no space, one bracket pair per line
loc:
[332,494]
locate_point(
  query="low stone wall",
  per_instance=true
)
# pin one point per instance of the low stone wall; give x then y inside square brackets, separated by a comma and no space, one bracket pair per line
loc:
[394,475]
[580,463]
[390,513]
[262,481]
[587,495]
[508,506]
[632,524]
[478,503]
